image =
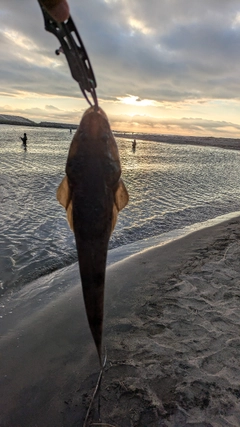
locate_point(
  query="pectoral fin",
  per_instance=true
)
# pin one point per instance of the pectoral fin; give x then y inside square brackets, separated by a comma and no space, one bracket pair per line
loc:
[64,197]
[70,215]
[121,198]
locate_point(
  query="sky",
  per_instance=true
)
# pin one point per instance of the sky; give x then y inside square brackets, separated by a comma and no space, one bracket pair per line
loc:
[162,66]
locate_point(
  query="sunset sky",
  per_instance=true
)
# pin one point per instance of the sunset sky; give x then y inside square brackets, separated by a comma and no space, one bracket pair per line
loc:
[162,66]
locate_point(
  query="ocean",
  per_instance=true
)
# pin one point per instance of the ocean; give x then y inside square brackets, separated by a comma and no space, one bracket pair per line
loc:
[170,186]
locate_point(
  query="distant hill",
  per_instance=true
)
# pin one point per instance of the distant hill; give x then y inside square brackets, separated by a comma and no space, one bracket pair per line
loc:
[6,119]
[58,125]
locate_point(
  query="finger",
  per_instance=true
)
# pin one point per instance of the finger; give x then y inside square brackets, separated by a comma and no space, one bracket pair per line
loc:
[58,9]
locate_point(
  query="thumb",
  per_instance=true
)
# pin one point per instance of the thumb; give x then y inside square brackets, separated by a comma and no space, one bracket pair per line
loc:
[58,9]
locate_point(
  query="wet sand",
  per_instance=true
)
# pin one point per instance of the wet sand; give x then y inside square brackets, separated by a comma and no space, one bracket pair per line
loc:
[172,332]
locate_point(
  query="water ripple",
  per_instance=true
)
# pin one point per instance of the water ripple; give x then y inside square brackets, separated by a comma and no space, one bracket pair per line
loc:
[170,186]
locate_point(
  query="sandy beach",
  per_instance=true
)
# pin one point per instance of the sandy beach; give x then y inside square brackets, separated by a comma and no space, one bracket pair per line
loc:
[172,333]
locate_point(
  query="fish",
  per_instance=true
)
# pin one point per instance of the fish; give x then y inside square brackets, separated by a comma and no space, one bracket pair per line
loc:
[93,193]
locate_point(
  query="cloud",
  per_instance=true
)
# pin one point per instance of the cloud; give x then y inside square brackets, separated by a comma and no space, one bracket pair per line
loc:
[183,126]
[48,113]
[166,54]
[188,42]
[134,123]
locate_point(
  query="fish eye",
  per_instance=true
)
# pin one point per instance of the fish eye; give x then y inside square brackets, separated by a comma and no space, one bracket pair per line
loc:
[83,135]
[105,137]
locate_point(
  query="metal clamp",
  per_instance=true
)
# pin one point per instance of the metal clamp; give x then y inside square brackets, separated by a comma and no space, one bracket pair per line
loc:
[76,54]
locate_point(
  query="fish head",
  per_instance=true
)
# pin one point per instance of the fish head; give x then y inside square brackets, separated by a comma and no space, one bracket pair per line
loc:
[94,136]
[95,124]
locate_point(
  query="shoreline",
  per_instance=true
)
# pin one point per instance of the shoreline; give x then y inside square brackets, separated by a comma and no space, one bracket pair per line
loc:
[172,333]
[201,141]
[114,255]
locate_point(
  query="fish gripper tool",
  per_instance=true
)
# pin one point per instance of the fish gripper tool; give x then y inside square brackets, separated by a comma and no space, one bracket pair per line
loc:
[75,52]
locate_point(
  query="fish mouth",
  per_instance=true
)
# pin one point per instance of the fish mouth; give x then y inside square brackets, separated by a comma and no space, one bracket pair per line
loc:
[97,110]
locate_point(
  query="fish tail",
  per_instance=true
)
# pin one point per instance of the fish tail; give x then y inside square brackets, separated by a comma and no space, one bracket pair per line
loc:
[92,262]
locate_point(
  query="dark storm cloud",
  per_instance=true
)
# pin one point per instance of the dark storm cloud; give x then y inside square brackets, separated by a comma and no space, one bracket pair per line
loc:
[176,50]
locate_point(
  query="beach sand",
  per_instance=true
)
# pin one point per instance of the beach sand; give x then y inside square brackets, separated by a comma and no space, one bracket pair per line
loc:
[172,333]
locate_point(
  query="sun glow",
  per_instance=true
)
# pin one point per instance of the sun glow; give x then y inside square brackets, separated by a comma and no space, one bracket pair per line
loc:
[138,102]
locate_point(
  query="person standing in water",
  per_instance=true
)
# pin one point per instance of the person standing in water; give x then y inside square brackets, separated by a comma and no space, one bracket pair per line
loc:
[24,140]
[134,143]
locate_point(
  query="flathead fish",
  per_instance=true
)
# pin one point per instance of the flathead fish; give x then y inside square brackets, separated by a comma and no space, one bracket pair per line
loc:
[93,193]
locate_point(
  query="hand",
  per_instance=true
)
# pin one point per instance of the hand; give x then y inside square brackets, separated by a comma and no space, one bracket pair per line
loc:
[58,9]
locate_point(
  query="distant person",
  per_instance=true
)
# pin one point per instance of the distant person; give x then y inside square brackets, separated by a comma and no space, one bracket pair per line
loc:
[70,130]
[134,144]
[24,141]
